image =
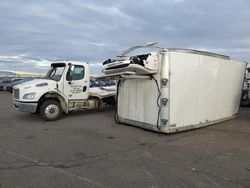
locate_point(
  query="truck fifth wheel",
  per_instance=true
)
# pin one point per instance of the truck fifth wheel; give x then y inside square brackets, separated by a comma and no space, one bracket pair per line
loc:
[171,90]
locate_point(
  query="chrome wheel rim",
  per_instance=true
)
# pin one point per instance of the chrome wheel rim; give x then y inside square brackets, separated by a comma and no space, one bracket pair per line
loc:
[52,111]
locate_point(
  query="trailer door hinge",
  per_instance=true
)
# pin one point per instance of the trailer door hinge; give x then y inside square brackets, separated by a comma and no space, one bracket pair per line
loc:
[164,101]
[164,121]
[164,81]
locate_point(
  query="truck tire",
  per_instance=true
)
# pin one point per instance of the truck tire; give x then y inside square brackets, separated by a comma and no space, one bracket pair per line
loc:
[51,110]
[245,101]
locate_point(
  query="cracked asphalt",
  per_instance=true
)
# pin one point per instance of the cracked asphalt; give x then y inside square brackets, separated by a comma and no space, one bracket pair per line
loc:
[87,149]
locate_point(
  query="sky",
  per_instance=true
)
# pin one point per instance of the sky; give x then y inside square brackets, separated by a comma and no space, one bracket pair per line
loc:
[34,33]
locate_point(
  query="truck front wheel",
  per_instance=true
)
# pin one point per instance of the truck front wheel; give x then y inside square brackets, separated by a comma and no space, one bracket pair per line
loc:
[51,110]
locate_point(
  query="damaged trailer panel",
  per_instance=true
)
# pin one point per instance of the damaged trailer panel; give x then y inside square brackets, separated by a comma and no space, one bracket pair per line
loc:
[177,89]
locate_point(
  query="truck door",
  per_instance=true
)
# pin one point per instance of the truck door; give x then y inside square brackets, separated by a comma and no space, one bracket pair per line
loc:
[77,82]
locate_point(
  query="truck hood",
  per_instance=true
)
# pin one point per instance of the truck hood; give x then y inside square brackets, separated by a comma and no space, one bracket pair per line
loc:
[33,83]
[33,87]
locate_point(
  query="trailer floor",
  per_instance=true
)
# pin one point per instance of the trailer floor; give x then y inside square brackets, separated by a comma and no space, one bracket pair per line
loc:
[87,149]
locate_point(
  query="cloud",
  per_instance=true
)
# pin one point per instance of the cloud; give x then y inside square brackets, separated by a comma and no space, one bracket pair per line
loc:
[12,58]
[34,33]
[23,62]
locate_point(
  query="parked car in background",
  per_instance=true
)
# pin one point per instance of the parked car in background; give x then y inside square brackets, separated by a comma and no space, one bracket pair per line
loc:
[93,83]
[245,98]
[9,87]
[4,82]
[101,83]
[110,82]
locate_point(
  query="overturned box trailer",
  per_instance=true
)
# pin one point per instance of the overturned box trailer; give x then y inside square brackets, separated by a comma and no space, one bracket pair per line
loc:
[171,90]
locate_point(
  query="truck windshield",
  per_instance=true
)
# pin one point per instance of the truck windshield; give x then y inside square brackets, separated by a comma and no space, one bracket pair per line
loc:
[55,72]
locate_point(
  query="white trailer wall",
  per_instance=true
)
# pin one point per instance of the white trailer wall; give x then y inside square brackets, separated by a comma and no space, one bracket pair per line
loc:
[203,89]
[137,102]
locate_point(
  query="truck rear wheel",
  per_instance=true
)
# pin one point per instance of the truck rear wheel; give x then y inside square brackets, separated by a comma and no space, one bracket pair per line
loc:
[51,110]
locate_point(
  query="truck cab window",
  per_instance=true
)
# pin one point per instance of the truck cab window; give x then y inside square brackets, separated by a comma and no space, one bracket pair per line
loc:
[55,72]
[75,72]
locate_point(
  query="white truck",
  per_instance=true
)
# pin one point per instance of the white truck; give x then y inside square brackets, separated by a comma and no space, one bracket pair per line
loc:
[245,98]
[170,90]
[65,88]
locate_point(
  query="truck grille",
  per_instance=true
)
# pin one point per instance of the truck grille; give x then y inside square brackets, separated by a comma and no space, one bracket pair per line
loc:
[16,93]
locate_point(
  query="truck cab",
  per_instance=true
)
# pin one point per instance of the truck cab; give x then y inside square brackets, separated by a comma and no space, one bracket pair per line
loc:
[65,88]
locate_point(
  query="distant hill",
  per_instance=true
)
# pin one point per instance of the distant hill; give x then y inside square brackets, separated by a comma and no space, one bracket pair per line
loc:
[6,73]
[10,73]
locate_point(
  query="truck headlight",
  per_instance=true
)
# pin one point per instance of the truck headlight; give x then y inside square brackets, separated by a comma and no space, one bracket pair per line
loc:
[29,96]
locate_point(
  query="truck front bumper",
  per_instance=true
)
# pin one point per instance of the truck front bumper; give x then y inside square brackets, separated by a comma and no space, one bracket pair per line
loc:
[25,106]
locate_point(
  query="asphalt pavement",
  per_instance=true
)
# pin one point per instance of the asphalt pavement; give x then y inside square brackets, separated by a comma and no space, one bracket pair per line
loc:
[88,149]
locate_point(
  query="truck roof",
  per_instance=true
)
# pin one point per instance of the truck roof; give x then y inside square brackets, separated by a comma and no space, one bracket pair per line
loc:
[72,62]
